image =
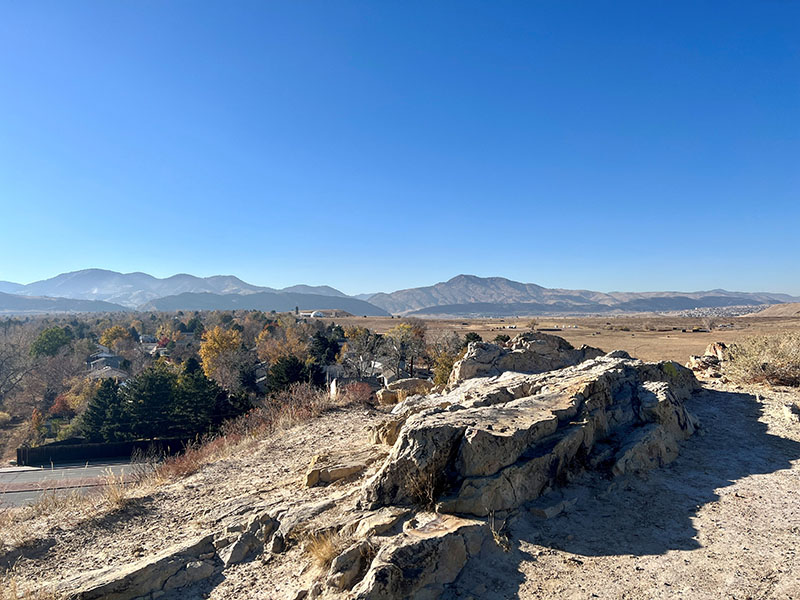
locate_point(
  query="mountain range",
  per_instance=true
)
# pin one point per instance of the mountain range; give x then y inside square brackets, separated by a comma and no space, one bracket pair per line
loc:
[98,290]
[468,295]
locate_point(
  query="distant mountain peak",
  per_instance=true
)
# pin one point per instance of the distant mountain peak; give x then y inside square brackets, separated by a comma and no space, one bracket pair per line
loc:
[497,296]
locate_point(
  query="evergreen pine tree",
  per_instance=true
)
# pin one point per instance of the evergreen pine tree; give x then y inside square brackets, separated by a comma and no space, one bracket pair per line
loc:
[94,422]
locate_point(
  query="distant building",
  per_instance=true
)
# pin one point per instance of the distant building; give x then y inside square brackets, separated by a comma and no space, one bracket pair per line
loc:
[108,373]
[99,360]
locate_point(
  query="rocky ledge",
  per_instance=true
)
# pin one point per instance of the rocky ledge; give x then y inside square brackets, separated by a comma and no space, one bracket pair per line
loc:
[530,352]
[495,443]
[408,522]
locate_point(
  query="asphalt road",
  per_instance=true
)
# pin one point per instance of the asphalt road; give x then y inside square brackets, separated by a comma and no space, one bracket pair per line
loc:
[24,485]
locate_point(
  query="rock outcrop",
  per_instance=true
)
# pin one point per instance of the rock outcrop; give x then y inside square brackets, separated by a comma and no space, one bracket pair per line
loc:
[710,363]
[330,467]
[490,445]
[411,385]
[500,442]
[529,352]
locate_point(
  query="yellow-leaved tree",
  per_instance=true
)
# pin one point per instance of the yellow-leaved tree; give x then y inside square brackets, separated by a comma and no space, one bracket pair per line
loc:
[274,343]
[222,355]
[115,336]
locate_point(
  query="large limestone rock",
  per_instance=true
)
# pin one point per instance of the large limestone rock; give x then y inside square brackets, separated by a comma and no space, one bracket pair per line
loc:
[710,363]
[421,561]
[386,397]
[333,466]
[175,567]
[529,352]
[503,441]
[413,385]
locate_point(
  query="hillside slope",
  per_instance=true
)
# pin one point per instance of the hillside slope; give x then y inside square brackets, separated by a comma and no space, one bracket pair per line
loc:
[720,521]
[790,309]
[12,303]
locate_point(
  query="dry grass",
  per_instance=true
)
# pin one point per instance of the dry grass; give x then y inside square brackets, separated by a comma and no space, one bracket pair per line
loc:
[499,533]
[12,589]
[300,403]
[324,547]
[423,489]
[20,524]
[359,392]
[771,359]
[114,489]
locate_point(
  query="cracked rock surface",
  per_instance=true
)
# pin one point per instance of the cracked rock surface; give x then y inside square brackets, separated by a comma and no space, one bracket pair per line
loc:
[495,443]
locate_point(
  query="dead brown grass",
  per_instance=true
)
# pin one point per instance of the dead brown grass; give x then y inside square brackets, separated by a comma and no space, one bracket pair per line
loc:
[774,360]
[114,489]
[423,488]
[324,547]
[12,589]
[300,403]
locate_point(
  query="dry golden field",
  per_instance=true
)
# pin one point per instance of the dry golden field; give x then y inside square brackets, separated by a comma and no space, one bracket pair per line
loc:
[644,337]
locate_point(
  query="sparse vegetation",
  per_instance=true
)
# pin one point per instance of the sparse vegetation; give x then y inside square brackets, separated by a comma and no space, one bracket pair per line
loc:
[12,589]
[771,359]
[499,533]
[325,546]
[114,489]
[424,489]
[358,392]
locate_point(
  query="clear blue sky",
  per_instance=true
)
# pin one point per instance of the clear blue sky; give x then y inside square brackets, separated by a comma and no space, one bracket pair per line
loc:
[641,145]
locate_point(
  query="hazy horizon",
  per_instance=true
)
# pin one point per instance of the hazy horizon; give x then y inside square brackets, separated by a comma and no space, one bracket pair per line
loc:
[418,285]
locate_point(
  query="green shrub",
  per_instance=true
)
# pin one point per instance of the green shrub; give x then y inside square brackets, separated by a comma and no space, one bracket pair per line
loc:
[771,359]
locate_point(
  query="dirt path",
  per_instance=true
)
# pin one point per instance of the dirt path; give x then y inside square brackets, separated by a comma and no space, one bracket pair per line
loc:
[722,521]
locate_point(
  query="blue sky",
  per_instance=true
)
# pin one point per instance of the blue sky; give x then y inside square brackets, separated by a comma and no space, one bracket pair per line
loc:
[382,145]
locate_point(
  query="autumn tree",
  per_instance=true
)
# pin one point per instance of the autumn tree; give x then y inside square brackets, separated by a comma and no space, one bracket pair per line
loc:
[15,358]
[405,344]
[36,431]
[116,336]
[223,357]
[444,350]
[361,350]
[279,340]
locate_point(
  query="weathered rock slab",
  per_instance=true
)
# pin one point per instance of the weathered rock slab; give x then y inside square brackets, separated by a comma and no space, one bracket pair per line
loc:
[502,441]
[529,352]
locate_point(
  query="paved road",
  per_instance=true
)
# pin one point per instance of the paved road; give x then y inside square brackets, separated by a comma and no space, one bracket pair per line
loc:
[23,485]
